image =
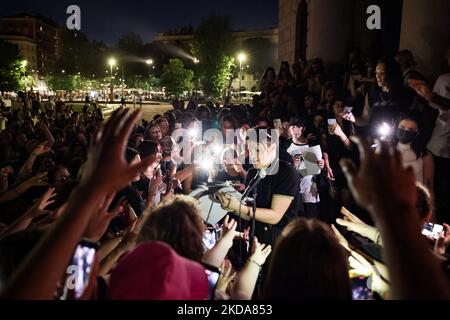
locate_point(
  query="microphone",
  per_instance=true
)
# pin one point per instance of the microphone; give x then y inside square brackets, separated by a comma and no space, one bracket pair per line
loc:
[261,174]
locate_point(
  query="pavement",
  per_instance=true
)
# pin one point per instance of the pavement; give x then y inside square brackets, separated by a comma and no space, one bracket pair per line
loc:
[149,109]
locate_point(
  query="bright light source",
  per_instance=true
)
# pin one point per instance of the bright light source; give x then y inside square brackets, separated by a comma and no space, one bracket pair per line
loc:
[192,132]
[63,71]
[242,57]
[206,164]
[149,61]
[24,63]
[384,130]
[196,60]
[217,149]
[112,62]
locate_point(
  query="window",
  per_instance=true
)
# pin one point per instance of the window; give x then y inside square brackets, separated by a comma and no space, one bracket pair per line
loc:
[243,77]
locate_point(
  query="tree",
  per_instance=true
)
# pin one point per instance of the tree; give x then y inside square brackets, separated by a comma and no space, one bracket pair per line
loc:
[176,78]
[213,45]
[130,43]
[70,82]
[12,69]
[144,83]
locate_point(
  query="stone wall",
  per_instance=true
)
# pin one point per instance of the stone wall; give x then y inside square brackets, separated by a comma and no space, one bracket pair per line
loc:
[426,32]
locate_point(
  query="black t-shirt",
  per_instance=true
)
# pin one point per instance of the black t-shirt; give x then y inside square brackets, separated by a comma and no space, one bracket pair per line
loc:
[286,182]
[386,107]
[131,194]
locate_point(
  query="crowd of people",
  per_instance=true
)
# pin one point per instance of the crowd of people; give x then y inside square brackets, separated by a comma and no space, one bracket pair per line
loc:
[344,177]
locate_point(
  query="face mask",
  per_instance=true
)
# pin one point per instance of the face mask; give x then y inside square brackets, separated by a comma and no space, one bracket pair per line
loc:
[405,136]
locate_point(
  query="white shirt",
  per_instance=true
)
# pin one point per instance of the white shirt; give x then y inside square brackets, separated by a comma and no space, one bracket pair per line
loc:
[308,188]
[409,159]
[439,144]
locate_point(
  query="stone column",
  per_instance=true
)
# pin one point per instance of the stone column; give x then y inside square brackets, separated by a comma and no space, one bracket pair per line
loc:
[426,32]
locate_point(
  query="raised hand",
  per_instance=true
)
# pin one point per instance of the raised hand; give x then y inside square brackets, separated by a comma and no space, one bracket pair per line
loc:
[106,167]
[381,176]
[41,149]
[47,199]
[335,129]
[5,171]
[38,180]
[349,117]
[353,223]
[100,220]
[226,276]
[230,203]
[260,252]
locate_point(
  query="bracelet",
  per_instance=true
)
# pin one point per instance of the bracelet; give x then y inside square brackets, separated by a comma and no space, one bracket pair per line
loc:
[253,261]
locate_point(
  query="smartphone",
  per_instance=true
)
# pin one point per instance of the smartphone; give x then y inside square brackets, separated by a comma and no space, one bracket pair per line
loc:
[433,230]
[348,109]
[332,122]
[79,270]
[209,238]
[360,289]
[213,275]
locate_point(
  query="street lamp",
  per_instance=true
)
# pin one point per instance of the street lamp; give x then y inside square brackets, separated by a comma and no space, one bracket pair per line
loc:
[196,61]
[112,62]
[149,62]
[24,64]
[241,58]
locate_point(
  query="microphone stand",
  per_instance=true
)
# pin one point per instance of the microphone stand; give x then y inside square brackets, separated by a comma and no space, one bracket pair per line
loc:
[252,187]
[252,233]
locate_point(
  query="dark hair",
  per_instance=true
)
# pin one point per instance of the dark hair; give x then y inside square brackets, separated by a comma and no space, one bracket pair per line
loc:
[418,145]
[74,165]
[130,154]
[285,65]
[52,172]
[267,71]
[393,73]
[176,222]
[229,119]
[200,110]
[308,263]
[147,148]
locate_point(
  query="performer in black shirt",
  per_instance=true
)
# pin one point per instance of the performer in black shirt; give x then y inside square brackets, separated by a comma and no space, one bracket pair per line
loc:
[278,197]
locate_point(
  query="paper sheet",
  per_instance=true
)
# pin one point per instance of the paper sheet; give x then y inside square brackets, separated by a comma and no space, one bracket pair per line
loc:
[210,206]
[310,156]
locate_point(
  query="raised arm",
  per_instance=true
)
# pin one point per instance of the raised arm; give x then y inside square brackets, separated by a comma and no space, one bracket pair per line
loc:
[387,190]
[106,171]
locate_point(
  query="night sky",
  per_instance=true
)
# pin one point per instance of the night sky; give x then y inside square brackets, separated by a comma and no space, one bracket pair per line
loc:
[108,20]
